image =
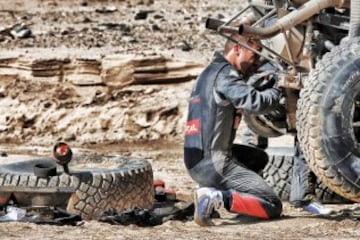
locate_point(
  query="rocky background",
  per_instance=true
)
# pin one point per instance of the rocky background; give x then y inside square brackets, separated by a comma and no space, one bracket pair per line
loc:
[113,77]
[67,68]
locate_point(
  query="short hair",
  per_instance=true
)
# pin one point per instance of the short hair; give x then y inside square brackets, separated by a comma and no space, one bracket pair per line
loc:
[235,38]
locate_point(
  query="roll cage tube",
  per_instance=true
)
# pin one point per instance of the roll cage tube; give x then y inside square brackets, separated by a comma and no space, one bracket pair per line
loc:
[285,23]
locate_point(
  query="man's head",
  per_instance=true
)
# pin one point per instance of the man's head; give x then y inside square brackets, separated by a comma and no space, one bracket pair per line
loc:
[241,58]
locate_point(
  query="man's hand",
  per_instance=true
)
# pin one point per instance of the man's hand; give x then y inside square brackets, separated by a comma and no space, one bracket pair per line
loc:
[263,80]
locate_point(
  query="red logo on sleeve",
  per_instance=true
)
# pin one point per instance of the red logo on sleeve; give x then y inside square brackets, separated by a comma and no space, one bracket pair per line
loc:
[192,127]
[195,100]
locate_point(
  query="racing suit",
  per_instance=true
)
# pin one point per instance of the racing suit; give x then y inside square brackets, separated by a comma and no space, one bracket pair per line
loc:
[216,102]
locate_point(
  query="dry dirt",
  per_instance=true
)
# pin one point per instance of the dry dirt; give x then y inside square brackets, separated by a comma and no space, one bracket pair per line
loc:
[35,115]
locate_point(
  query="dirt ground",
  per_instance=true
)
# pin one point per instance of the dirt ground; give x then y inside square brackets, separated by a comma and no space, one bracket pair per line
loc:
[29,124]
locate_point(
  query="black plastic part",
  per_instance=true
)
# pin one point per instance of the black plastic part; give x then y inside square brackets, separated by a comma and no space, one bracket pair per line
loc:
[45,169]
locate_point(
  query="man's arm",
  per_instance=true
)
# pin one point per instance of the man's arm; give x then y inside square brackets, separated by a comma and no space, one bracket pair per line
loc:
[231,86]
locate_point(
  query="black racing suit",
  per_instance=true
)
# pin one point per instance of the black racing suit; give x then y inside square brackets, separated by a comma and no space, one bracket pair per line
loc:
[212,121]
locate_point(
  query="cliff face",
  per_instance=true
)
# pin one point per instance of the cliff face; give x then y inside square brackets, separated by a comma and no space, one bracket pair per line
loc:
[51,99]
[101,71]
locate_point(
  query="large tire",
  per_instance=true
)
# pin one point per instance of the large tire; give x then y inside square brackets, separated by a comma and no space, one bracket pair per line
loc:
[128,185]
[327,110]
[277,173]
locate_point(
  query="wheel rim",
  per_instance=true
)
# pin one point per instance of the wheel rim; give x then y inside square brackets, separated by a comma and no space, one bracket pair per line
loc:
[356,119]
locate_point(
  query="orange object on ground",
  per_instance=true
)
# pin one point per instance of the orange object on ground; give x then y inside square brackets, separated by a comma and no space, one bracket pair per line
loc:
[159,183]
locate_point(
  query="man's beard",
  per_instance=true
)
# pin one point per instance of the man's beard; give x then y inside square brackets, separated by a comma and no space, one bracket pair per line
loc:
[252,68]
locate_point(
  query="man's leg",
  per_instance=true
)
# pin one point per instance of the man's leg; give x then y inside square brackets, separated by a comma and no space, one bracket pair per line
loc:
[302,189]
[248,137]
[253,158]
[206,198]
[303,181]
[237,188]
[247,193]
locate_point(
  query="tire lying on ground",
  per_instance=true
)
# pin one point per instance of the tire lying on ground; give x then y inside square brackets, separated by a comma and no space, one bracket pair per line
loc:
[127,184]
[277,173]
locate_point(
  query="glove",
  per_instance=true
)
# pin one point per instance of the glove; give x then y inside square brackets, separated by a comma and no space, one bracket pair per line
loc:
[268,83]
[263,80]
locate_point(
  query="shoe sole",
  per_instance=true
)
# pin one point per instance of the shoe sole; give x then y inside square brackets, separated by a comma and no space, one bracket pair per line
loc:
[316,209]
[203,222]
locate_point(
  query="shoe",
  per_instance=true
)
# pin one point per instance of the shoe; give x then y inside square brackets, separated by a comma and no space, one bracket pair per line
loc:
[317,208]
[206,200]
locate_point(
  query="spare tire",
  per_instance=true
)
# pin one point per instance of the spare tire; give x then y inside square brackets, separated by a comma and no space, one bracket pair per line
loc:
[126,185]
[277,173]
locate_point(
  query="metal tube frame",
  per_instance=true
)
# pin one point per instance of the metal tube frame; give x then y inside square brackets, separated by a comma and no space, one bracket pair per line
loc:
[277,57]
